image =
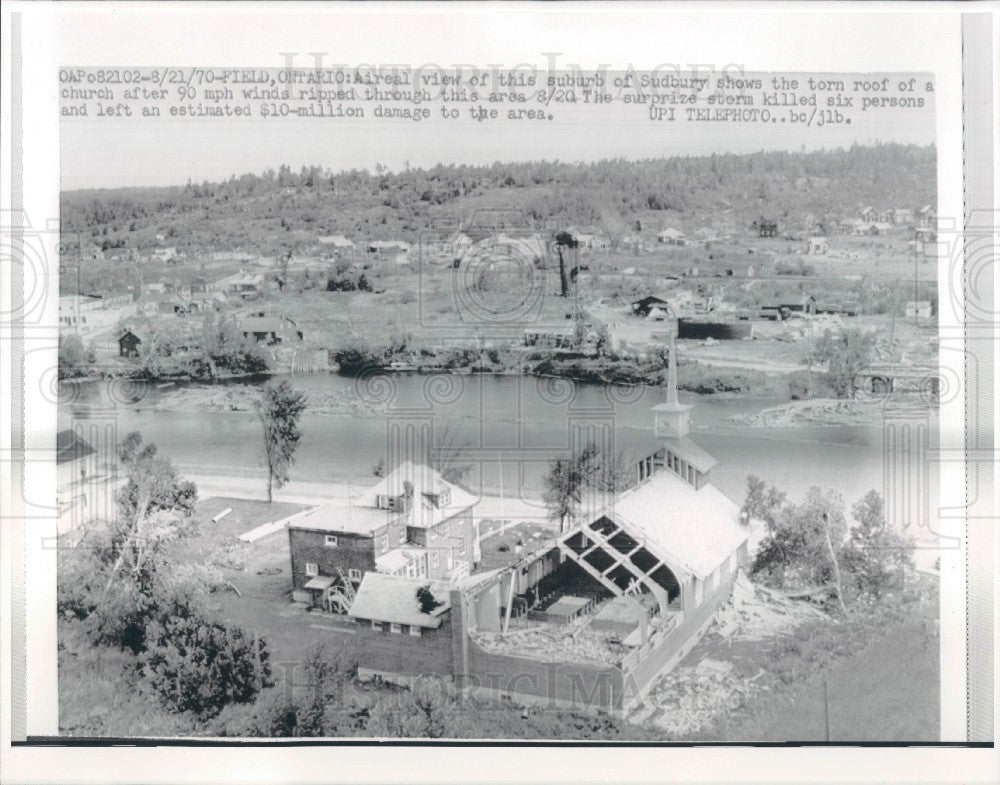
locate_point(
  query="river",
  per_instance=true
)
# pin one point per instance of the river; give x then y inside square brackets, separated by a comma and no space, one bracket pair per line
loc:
[518,422]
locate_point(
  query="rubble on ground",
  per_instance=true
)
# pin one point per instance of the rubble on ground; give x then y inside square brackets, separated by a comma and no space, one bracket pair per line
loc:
[575,642]
[689,699]
[754,612]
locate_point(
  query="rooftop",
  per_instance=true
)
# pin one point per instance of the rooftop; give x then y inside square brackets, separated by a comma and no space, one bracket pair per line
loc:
[434,498]
[346,518]
[393,599]
[697,529]
[70,446]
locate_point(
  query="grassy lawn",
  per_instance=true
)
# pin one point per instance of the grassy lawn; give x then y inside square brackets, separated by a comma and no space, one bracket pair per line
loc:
[889,691]
[261,573]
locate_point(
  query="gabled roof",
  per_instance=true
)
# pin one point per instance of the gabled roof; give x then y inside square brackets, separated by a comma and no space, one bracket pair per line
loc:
[393,599]
[70,446]
[427,485]
[336,240]
[694,529]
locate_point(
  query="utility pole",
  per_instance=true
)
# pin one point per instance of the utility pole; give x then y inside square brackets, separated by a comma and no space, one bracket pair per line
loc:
[79,286]
[826,707]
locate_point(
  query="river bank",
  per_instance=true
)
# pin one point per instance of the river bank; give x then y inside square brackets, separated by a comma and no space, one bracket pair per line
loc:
[835,411]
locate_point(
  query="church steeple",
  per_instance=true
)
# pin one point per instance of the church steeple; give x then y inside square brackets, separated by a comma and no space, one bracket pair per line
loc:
[672,419]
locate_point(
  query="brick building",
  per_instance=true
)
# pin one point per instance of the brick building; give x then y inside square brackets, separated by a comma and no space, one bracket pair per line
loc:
[412,524]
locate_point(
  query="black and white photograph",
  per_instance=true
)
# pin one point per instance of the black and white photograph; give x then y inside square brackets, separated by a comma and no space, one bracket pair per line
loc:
[504,402]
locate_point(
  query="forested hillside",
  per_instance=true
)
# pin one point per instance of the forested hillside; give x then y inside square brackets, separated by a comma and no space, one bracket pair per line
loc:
[286,210]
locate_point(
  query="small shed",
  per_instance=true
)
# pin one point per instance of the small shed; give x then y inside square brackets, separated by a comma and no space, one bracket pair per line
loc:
[128,344]
[818,246]
[646,304]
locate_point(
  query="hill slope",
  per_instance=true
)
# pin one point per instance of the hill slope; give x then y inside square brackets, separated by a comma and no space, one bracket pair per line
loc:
[285,210]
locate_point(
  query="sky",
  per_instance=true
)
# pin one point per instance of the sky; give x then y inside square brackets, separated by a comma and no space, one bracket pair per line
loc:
[113,154]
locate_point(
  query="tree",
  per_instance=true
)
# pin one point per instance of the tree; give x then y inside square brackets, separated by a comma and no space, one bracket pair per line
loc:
[564,240]
[279,410]
[804,542]
[875,553]
[846,354]
[74,358]
[764,504]
[446,457]
[601,470]
[154,507]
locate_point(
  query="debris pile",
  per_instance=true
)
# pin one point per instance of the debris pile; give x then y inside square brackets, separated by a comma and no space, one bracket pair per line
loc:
[574,642]
[689,699]
[755,612]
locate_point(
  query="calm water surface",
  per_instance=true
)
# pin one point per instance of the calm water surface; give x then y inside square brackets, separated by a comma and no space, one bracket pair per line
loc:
[517,423]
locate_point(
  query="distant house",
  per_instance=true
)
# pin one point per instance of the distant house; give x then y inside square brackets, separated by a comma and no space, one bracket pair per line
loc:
[241,286]
[270,329]
[852,308]
[646,304]
[72,452]
[899,215]
[927,215]
[129,342]
[457,245]
[337,243]
[165,254]
[175,304]
[671,236]
[412,524]
[920,309]
[160,287]
[765,227]
[872,215]
[805,304]
[818,246]
[390,249]
[551,337]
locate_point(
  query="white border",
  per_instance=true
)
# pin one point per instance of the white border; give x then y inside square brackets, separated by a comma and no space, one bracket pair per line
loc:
[761,37]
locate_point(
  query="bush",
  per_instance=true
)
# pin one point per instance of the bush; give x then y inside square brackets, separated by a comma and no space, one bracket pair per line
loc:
[201,666]
[74,359]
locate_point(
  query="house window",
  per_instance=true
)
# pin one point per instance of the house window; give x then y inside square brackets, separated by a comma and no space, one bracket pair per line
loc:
[384,542]
[402,535]
[330,541]
[698,590]
[435,558]
[414,631]
[451,559]
[354,574]
[312,570]
[396,628]
[411,569]
[376,625]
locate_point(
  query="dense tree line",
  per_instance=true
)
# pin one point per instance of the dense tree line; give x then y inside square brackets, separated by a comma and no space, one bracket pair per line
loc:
[284,209]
